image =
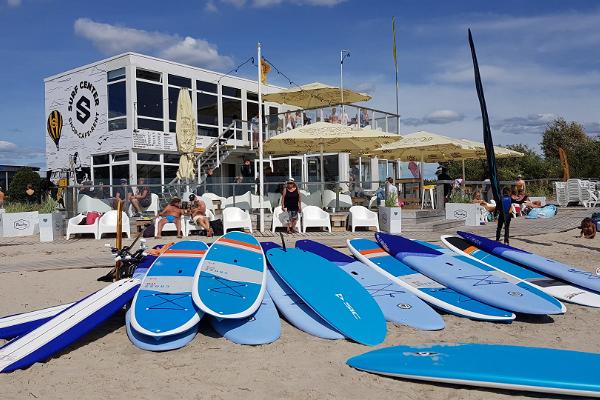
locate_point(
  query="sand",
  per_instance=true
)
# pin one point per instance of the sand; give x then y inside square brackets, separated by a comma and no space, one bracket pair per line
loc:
[298,366]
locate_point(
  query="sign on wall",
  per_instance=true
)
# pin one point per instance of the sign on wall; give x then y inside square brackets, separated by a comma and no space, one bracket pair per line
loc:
[163,141]
[76,108]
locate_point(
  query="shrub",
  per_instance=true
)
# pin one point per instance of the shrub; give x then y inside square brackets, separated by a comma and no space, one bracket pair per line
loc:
[18,185]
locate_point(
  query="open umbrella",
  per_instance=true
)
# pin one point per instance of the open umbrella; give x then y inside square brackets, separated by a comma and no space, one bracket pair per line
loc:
[185,129]
[315,95]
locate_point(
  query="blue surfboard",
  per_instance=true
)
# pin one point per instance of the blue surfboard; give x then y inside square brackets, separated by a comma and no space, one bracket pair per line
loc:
[534,369]
[442,297]
[464,277]
[231,280]
[293,308]
[560,308]
[554,287]
[331,293]
[585,279]
[158,343]
[397,304]
[262,327]
[163,306]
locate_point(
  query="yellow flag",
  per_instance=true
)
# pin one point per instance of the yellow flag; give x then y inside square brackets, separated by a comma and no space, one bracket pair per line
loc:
[565,163]
[394,34]
[265,68]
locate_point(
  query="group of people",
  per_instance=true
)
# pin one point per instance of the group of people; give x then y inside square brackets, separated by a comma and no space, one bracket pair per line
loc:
[173,212]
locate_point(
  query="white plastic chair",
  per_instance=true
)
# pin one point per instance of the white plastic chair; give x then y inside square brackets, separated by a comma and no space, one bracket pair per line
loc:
[189,225]
[372,201]
[209,197]
[314,217]
[329,200]
[73,227]
[361,216]
[108,223]
[169,226]
[152,208]
[255,203]
[593,199]
[241,201]
[235,217]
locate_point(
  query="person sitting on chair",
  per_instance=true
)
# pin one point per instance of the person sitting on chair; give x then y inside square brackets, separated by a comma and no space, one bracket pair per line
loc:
[171,214]
[489,207]
[142,199]
[198,213]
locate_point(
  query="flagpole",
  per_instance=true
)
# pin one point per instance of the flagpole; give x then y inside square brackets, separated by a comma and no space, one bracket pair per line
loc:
[396,68]
[261,185]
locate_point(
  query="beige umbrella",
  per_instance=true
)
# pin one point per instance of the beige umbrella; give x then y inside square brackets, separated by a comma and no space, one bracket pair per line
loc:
[315,95]
[324,136]
[185,129]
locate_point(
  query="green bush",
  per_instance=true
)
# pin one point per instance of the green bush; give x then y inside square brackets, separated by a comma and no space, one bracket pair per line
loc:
[458,196]
[18,185]
[392,200]
[46,207]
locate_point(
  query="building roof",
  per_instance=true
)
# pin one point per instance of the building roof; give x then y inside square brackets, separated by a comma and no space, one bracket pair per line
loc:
[14,168]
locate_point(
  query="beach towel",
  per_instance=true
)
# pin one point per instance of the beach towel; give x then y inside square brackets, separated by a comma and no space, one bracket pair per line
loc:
[548,211]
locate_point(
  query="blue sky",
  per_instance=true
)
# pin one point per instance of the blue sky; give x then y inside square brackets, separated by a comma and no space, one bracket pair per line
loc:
[539,59]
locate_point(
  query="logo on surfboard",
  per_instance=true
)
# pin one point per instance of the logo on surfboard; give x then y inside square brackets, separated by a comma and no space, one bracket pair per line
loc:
[348,306]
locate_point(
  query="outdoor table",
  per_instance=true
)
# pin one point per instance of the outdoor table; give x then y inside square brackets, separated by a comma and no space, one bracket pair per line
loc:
[338,221]
[140,224]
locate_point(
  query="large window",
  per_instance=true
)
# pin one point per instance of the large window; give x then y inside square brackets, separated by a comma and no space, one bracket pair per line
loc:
[176,83]
[149,105]
[207,107]
[232,110]
[117,103]
[206,87]
[151,175]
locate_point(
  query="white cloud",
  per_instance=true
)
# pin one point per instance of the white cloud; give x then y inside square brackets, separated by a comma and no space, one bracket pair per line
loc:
[438,117]
[113,39]
[14,3]
[211,7]
[6,147]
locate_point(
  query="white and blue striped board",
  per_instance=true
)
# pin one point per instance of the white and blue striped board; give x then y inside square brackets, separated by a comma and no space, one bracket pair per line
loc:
[262,327]
[231,280]
[554,287]
[465,277]
[560,307]
[163,306]
[67,326]
[434,293]
[18,324]
[544,370]
[397,304]
[331,293]
[584,279]
[293,308]
[158,343]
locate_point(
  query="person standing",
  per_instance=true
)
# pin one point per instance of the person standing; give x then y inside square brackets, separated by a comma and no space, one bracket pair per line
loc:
[442,175]
[506,205]
[520,184]
[291,203]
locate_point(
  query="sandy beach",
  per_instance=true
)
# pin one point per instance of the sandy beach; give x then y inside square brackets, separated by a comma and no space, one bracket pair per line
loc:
[298,366]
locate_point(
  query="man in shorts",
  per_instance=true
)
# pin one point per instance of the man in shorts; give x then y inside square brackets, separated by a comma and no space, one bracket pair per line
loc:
[198,213]
[171,214]
[142,199]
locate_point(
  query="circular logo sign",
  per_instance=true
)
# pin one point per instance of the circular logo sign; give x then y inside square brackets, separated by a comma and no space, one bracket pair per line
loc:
[404,306]
[516,294]
[83,109]
[460,214]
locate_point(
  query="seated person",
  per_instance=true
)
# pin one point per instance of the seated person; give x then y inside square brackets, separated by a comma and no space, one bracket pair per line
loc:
[142,199]
[519,197]
[588,228]
[489,207]
[171,214]
[120,193]
[198,213]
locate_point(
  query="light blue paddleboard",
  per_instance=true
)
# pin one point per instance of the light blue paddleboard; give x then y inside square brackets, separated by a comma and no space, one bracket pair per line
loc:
[163,306]
[293,308]
[560,308]
[331,293]
[231,280]
[464,277]
[585,279]
[158,343]
[262,327]
[442,297]
[397,304]
[534,369]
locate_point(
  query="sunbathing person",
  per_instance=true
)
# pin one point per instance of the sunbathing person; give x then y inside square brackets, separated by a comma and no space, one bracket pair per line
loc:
[198,213]
[171,214]
[489,207]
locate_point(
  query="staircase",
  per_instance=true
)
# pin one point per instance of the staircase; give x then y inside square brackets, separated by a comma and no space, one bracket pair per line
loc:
[216,152]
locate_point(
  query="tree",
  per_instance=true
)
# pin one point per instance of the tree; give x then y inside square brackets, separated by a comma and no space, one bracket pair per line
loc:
[18,184]
[560,133]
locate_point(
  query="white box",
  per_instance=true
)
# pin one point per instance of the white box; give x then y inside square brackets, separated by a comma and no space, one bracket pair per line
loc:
[468,212]
[390,219]
[51,227]
[19,224]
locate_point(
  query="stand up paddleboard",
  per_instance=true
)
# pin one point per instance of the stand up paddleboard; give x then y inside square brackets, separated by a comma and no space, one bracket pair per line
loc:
[560,307]
[156,343]
[442,297]
[66,327]
[398,305]
[554,287]
[464,277]
[533,369]
[585,279]
[15,325]
[231,280]
[331,293]
[163,306]
[293,308]
[262,327]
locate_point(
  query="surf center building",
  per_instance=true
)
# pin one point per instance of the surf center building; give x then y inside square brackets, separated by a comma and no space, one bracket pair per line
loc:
[116,117]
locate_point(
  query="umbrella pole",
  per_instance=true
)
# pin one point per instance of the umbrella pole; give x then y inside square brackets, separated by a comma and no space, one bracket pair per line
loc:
[322,171]
[261,185]
[421,180]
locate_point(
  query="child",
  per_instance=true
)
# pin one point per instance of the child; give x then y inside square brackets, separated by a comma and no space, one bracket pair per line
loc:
[506,204]
[588,228]
[171,214]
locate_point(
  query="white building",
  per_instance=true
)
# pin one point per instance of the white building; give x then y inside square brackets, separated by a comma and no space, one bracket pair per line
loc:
[118,116]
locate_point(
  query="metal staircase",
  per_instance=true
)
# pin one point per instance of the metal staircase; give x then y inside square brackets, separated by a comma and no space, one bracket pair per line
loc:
[216,152]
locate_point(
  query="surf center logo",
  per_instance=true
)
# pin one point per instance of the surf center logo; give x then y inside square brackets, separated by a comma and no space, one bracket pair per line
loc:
[348,305]
[84,104]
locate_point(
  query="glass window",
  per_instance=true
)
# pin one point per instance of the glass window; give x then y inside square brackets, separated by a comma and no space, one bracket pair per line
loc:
[252,96]
[180,81]
[207,107]
[171,158]
[120,172]
[231,91]
[117,124]
[117,106]
[150,124]
[101,175]
[150,173]
[232,110]
[120,157]
[148,75]
[115,75]
[251,110]
[149,100]
[173,97]
[207,131]
[383,172]
[170,172]
[172,127]
[206,86]
[101,159]
[148,157]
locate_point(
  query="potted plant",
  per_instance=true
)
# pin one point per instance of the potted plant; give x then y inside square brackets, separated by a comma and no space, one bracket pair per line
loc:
[51,221]
[460,207]
[390,214]
[19,219]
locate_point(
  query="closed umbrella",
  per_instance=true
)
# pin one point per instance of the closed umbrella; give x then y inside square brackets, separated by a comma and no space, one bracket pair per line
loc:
[315,95]
[185,129]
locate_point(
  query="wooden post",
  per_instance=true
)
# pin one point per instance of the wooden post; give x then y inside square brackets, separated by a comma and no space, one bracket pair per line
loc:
[119,238]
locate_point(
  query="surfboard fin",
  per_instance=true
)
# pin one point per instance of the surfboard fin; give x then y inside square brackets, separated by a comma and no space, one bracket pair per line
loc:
[283,242]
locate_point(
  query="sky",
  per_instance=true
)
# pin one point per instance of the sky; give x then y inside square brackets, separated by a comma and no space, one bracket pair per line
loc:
[539,59]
